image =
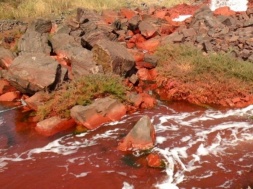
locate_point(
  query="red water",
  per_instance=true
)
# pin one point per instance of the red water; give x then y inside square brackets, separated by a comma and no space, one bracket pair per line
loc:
[203,148]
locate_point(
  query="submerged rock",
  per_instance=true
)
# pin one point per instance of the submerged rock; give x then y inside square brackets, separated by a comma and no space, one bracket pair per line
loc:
[141,137]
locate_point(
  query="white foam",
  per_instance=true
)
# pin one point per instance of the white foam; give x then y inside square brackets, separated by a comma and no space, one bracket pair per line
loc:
[127,186]
[217,145]
[160,139]
[84,174]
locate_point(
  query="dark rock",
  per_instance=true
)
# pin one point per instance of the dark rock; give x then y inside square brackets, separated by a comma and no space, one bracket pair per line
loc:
[34,42]
[248,23]
[113,57]
[43,26]
[82,62]
[64,29]
[189,32]
[141,137]
[147,29]
[134,22]
[174,37]
[249,11]
[33,72]
[207,46]
[152,59]
[91,38]
[6,58]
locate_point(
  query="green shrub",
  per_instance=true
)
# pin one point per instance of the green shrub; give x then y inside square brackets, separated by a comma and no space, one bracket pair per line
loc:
[81,91]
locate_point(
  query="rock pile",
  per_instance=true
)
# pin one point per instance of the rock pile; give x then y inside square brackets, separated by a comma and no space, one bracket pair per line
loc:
[121,42]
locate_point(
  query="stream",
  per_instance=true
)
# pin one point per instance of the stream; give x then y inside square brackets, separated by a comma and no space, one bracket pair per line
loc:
[202,148]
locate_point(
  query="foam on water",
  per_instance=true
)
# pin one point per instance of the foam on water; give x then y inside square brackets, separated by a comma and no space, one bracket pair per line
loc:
[127,186]
[196,135]
[211,139]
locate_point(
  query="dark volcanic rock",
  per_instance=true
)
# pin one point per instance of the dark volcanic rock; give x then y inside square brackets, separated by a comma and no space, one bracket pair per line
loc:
[33,72]
[113,57]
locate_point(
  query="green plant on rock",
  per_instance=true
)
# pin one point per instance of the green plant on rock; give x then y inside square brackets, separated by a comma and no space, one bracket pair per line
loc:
[81,91]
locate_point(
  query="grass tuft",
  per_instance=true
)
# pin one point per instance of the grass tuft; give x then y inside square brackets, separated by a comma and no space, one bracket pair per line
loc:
[81,91]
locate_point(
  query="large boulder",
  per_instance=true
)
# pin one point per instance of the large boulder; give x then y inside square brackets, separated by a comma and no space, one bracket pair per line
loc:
[33,72]
[113,56]
[80,59]
[6,58]
[141,137]
[101,111]
[53,125]
[35,39]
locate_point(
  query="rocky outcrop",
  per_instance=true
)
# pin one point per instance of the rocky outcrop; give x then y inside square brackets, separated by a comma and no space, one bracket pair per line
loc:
[33,72]
[113,57]
[35,39]
[100,111]
[141,137]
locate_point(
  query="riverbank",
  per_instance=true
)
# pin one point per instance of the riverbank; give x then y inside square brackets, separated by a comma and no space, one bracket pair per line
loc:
[139,46]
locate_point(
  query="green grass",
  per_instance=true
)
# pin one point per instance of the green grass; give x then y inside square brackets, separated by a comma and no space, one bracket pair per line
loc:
[188,74]
[187,62]
[81,91]
[10,9]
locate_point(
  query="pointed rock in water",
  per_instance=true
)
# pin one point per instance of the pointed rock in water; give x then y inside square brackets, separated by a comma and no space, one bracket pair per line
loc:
[141,137]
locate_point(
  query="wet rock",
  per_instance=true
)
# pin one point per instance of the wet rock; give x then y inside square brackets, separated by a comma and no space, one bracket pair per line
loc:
[113,57]
[135,99]
[99,112]
[3,85]
[36,100]
[141,136]
[6,58]
[10,96]
[53,125]
[33,72]
[155,161]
